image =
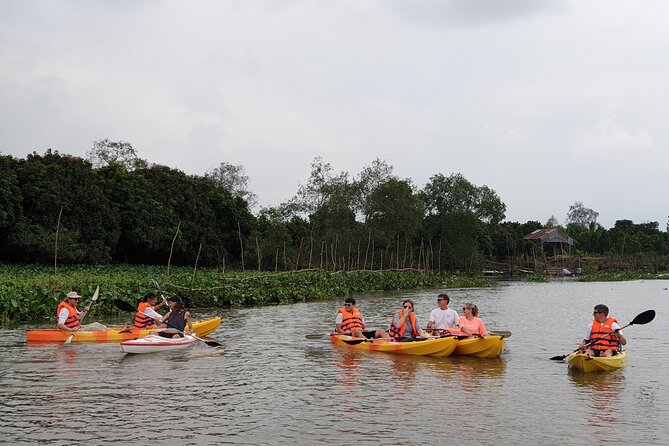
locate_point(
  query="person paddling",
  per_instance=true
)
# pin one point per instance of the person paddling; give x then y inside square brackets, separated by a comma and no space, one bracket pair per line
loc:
[147,317]
[404,325]
[604,336]
[69,316]
[177,318]
[350,322]
[469,322]
[442,318]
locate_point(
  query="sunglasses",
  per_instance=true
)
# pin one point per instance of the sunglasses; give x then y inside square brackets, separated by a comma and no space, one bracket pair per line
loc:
[408,306]
[466,308]
[439,300]
[597,312]
[347,305]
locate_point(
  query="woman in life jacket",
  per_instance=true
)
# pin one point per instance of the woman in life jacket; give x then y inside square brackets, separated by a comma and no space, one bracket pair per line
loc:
[604,337]
[147,317]
[404,325]
[176,319]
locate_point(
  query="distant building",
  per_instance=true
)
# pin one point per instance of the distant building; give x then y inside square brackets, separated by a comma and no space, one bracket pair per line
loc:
[555,237]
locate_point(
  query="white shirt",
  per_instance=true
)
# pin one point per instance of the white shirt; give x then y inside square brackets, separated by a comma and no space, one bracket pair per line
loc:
[444,318]
[153,314]
[614,327]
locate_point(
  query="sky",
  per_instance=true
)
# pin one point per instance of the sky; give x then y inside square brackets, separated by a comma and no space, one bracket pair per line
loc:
[547,102]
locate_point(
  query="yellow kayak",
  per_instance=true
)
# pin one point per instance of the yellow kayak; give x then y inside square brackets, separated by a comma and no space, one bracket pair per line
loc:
[117,334]
[485,347]
[587,364]
[427,347]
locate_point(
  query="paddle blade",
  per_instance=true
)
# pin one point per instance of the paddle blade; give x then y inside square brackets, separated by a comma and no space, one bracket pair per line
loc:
[95,295]
[316,336]
[155,284]
[503,333]
[123,305]
[69,339]
[213,344]
[643,318]
[558,358]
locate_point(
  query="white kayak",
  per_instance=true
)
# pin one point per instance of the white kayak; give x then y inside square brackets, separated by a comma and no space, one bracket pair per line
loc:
[155,344]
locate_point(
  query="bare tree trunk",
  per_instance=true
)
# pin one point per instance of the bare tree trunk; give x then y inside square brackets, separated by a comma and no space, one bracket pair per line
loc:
[299,252]
[349,257]
[55,251]
[169,260]
[398,251]
[258,252]
[357,257]
[431,256]
[241,243]
[276,260]
[369,239]
[285,261]
[192,280]
[311,247]
[371,263]
[406,246]
[439,259]
[322,245]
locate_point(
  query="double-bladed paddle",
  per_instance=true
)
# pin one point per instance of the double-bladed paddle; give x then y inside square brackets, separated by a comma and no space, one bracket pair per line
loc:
[93,299]
[125,306]
[640,319]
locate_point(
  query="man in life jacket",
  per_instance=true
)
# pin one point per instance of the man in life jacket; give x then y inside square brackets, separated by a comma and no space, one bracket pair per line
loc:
[146,316]
[69,316]
[604,337]
[350,322]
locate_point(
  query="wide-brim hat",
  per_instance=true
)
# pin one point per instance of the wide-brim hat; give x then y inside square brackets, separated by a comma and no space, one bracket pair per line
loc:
[73,295]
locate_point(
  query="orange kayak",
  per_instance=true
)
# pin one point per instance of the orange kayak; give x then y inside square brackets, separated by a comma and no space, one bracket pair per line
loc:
[117,334]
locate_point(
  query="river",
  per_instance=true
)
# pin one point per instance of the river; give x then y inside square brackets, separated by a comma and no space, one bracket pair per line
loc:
[270,385]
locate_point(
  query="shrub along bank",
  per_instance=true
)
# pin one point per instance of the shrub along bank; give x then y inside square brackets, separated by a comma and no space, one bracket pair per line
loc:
[31,294]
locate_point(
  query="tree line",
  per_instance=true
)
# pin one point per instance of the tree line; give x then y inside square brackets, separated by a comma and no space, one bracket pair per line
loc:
[113,207]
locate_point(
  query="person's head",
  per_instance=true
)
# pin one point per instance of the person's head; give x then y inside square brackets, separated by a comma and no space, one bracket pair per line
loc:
[408,304]
[470,308]
[150,298]
[349,303]
[72,298]
[600,312]
[443,300]
[176,303]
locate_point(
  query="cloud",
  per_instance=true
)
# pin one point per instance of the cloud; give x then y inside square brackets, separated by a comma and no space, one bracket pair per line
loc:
[608,140]
[470,12]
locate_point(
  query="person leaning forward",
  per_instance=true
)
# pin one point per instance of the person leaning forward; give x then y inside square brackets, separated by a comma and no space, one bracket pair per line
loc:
[176,320]
[350,322]
[69,316]
[604,337]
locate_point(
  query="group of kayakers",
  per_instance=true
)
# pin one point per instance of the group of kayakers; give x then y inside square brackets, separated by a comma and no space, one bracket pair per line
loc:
[404,324]
[173,324]
[604,336]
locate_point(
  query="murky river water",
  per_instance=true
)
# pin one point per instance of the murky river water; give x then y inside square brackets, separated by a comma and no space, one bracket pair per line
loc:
[270,385]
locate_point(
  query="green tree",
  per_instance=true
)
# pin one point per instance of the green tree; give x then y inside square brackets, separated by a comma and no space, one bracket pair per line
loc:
[105,152]
[580,215]
[233,178]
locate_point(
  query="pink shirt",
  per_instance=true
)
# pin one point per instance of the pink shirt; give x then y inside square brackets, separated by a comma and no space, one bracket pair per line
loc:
[475,325]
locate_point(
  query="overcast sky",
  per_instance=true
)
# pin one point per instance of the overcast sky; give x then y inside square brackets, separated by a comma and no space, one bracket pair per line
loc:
[547,102]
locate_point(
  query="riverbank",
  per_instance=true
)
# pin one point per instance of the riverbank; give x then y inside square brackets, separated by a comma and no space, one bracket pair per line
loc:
[32,293]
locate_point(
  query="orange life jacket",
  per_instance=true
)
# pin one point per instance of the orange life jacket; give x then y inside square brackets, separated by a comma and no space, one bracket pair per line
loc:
[351,321]
[141,320]
[71,321]
[603,333]
[398,332]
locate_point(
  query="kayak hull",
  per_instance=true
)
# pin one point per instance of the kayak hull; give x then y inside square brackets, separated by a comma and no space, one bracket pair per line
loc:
[427,347]
[157,344]
[485,347]
[117,334]
[587,364]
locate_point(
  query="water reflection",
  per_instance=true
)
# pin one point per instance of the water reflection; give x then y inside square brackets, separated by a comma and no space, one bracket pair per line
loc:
[603,392]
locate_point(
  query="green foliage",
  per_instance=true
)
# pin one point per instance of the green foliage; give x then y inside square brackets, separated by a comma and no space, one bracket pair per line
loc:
[32,293]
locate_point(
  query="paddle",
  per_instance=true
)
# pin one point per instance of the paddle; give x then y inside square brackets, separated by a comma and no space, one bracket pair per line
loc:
[640,319]
[93,299]
[125,306]
[160,291]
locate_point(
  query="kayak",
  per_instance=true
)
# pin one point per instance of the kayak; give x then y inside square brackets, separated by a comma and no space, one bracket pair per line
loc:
[427,347]
[117,334]
[156,344]
[485,347]
[587,364]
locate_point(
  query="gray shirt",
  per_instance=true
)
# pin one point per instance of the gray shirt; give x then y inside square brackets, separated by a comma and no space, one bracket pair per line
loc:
[408,332]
